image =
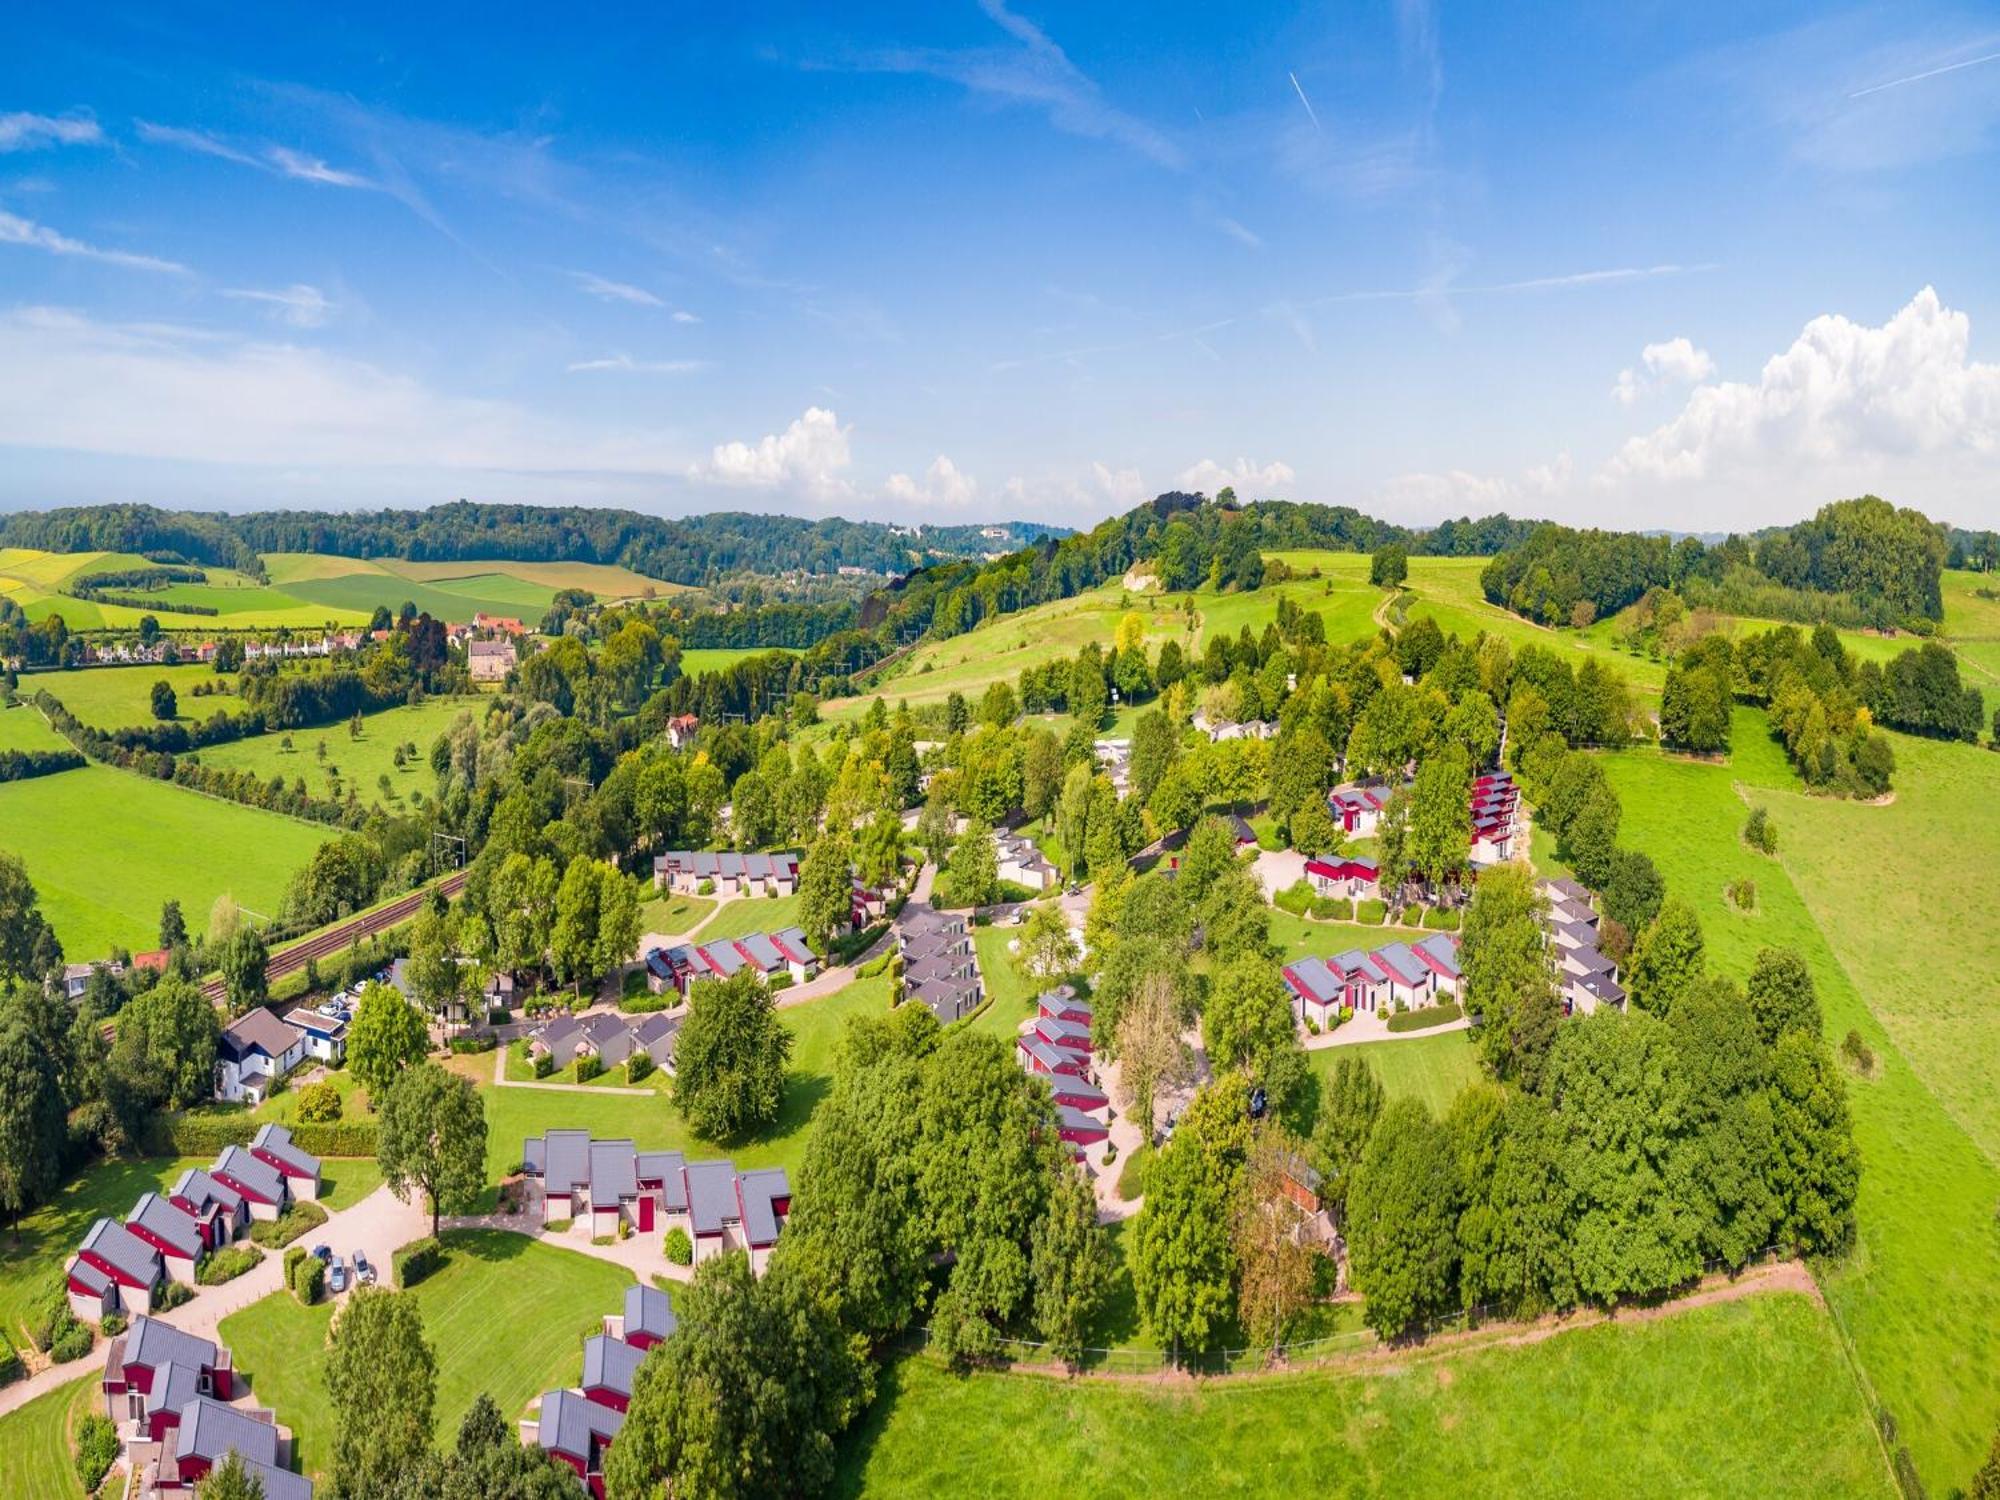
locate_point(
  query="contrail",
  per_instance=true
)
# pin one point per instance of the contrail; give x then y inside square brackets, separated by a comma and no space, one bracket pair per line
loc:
[1305,101]
[1896,83]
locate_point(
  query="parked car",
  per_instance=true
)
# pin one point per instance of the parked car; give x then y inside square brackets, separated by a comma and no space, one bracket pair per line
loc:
[363,1272]
[336,1276]
[321,1252]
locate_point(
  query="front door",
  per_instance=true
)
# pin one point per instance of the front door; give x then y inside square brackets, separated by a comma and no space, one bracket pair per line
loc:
[645,1213]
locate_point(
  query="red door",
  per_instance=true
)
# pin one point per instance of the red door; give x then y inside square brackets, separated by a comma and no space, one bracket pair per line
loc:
[645,1213]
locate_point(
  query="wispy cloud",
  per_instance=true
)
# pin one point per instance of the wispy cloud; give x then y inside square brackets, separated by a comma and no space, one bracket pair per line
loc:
[25,132]
[198,141]
[298,305]
[1937,72]
[614,291]
[18,231]
[1310,113]
[682,315]
[1238,232]
[628,365]
[297,164]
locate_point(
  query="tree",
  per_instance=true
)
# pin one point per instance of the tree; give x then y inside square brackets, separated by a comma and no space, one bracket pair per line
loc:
[1440,819]
[729,1063]
[33,1123]
[1155,747]
[1514,1231]
[438,968]
[27,944]
[596,922]
[378,1363]
[1590,843]
[520,903]
[165,705]
[1151,1052]
[1695,709]
[1046,948]
[972,877]
[1507,969]
[1389,567]
[1275,1265]
[1667,958]
[431,1138]
[386,1036]
[1402,1211]
[244,962]
[1249,1012]
[1348,1109]
[1781,995]
[165,1048]
[879,853]
[1986,1483]
[1818,1169]
[826,891]
[173,927]
[1070,1263]
[1632,891]
[1182,1255]
[229,1480]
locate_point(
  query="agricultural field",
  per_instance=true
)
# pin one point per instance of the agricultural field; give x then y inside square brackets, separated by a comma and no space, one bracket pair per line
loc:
[37,1441]
[22,727]
[122,697]
[506,1315]
[357,762]
[1618,1409]
[451,591]
[1920,1294]
[1433,1068]
[1342,597]
[34,580]
[1972,624]
[701,660]
[106,847]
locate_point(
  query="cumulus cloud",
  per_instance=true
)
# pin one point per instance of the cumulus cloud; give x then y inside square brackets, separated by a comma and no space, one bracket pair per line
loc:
[1675,362]
[805,459]
[1459,492]
[943,484]
[296,306]
[18,231]
[1844,403]
[25,132]
[1254,479]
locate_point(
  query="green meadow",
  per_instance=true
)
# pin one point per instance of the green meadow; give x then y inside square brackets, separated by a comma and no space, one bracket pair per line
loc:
[22,727]
[105,848]
[38,1439]
[122,697]
[698,661]
[1433,1068]
[357,761]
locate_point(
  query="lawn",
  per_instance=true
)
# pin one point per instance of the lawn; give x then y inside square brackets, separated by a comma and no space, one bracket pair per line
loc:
[1010,998]
[22,727]
[106,847]
[673,914]
[1433,1068]
[33,1254]
[506,1315]
[748,914]
[1660,1407]
[345,1180]
[122,697]
[36,1439]
[360,762]
[1920,1295]
[1303,937]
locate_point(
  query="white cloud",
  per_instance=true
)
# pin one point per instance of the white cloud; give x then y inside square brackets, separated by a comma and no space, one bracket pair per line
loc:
[943,484]
[682,315]
[297,306]
[1844,404]
[1254,480]
[305,168]
[154,392]
[1122,487]
[614,291]
[631,366]
[1458,492]
[1675,362]
[19,231]
[25,132]
[197,141]
[806,459]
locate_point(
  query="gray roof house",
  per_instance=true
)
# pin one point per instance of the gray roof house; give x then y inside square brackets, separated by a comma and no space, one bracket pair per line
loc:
[250,1176]
[173,1231]
[649,1316]
[577,1429]
[610,1366]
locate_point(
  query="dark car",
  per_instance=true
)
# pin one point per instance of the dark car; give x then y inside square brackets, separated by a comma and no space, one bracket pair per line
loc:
[321,1252]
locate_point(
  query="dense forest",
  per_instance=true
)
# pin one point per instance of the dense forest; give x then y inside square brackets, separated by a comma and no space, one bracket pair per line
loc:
[691,550]
[1857,562]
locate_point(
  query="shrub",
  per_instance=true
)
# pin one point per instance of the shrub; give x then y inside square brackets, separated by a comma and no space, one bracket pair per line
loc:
[1759,832]
[544,1065]
[1857,1053]
[645,1001]
[206,1132]
[319,1104]
[112,1325]
[293,1255]
[1742,894]
[227,1264]
[479,1041]
[1296,898]
[172,1294]
[587,1068]
[1333,908]
[558,1226]
[601,1239]
[309,1279]
[276,1233]
[96,1449]
[779,982]
[873,967]
[1424,1017]
[1110,1152]
[74,1342]
[1312,1027]
[1370,912]
[624,1230]
[706,888]
[1442,918]
[415,1261]
[638,1067]
[679,1248]
[10,1362]
[499,1016]
[1132,1178]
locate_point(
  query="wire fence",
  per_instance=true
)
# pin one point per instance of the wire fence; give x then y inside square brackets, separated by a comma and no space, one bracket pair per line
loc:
[1292,1354]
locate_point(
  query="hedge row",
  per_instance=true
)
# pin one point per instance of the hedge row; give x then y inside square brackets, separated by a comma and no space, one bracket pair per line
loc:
[1425,1017]
[208,1133]
[21,765]
[227,1264]
[415,1261]
[308,1279]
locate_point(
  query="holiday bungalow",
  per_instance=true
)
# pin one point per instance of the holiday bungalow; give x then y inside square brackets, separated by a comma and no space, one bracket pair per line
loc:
[609,1368]
[261,1185]
[1357,807]
[1411,981]
[942,966]
[1070,1036]
[114,1270]
[1588,980]
[254,1049]
[649,1317]
[948,999]
[1344,875]
[217,1209]
[578,1432]
[171,1231]
[1439,954]
[272,1145]
[728,872]
[1062,1004]
[1318,993]
[208,1432]
[146,1363]
[1079,1129]
[1019,862]
[1038,1056]
[865,903]
[1413,974]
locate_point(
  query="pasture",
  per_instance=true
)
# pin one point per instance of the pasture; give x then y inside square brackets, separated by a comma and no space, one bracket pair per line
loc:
[22,727]
[1627,1409]
[37,1441]
[698,661]
[451,591]
[506,1315]
[360,762]
[105,848]
[122,697]
[1919,1296]
[1972,622]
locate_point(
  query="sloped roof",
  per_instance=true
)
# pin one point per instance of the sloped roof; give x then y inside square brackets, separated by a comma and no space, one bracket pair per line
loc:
[209,1430]
[647,1310]
[151,1343]
[199,1188]
[610,1364]
[711,1195]
[614,1172]
[756,1194]
[570,1424]
[259,1177]
[1441,949]
[277,1141]
[118,1246]
[565,1160]
[175,1226]
[259,1030]
[1315,978]
[1401,963]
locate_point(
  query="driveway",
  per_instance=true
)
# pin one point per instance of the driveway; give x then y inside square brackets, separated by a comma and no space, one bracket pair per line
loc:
[1278,868]
[377,1224]
[1369,1026]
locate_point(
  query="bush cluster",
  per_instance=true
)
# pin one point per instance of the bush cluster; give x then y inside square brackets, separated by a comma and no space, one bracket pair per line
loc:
[96,1450]
[415,1261]
[679,1248]
[288,1226]
[309,1279]
[638,1066]
[587,1068]
[1425,1016]
[206,1133]
[319,1104]
[1370,912]
[478,1041]
[1442,918]
[227,1264]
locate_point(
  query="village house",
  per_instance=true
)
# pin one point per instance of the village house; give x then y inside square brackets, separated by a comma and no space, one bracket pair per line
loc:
[681,730]
[1409,974]
[113,1271]
[255,1049]
[498,624]
[489,661]
[272,1145]
[173,1232]
[1345,875]
[152,1370]
[323,1031]
[728,872]
[1021,863]
[1357,806]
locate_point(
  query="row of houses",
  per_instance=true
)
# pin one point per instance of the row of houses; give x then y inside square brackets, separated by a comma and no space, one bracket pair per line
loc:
[120,1267]
[728,872]
[1587,978]
[1020,862]
[770,954]
[1056,1046]
[613,1182]
[940,968]
[1219,729]
[173,1398]
[1397,974]
[610,1037]
[1495,803]
[575,1426]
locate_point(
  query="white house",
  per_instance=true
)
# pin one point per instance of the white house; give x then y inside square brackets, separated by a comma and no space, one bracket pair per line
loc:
[255,1048]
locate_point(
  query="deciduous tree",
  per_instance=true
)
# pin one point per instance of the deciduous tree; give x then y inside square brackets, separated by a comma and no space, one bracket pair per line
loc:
[1781,995]
[386,1036]
[1667,958]
[1152,1055]
[1046,948]
[1249,1012]
[729,1062]
[1070,1262]
[1274,1261]
[33,1123]
[1402,1215]
[431,1138]
[826,892]
[378,1363]
[165,1050]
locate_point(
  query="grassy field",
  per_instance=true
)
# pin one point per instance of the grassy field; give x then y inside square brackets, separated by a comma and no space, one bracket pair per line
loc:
[1652,1408]
[670,914]
[360,762]
[122,697]
[33,579]
[703,659]
[748,914]
[105,848]
[1973,624]
[1920,1294]
[33,1254]
[22,727]
[36,1439]
[1342,597]
[506,1315]
[1432,1068]
[1303,937]
[1012,998]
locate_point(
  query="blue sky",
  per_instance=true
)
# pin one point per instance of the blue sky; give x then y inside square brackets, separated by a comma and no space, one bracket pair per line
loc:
[1688,265]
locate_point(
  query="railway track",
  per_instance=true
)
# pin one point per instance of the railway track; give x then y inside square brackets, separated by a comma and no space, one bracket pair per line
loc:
[337,937]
